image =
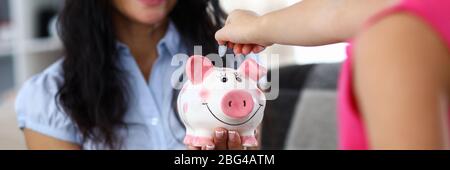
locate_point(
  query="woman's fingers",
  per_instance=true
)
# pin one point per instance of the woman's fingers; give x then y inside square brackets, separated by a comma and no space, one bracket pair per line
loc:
[208,147]
[234,141]
[223,140]
[220,139]
[189,147]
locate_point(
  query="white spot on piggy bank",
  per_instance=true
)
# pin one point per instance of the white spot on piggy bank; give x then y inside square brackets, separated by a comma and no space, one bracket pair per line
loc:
[221,97]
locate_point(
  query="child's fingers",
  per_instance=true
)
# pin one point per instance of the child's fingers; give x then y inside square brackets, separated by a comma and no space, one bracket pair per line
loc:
[230,45]
[257,49]
[221,36]
[238,49]
[246,49]
[221,42]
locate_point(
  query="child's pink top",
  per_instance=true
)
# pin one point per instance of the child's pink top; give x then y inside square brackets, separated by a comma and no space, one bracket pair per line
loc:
[352,135]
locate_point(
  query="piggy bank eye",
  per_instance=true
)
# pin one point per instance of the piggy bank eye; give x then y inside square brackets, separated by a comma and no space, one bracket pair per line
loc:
[224,79]
[238,79]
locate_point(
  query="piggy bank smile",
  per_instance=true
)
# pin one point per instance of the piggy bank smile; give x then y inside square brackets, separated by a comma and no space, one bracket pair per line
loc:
[221,97]
[236,108]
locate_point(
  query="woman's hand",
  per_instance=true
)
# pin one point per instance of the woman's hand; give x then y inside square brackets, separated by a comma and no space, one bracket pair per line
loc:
[225,140]
[241,33]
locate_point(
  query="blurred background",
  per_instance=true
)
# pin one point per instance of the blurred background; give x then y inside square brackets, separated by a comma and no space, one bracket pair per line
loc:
[302,117]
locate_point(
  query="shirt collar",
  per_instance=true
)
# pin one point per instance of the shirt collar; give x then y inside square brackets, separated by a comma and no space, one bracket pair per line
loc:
[171,42]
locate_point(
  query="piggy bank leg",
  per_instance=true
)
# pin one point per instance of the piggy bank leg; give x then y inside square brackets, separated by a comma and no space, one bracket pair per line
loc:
[248,139]
[202,138]
[189,137]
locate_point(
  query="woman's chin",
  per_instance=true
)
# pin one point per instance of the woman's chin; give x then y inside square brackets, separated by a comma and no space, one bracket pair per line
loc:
[152,18]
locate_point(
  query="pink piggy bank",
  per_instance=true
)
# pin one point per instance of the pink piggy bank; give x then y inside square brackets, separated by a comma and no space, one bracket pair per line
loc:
[221,97]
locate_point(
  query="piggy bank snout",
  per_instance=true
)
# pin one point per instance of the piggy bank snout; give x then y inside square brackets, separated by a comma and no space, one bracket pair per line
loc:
[237,104]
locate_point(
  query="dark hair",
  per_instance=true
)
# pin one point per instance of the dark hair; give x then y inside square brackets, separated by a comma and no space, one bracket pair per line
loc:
[94,93]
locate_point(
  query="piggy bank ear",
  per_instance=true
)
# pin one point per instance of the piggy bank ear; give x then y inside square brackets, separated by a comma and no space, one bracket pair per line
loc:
[197,68]
[252,70]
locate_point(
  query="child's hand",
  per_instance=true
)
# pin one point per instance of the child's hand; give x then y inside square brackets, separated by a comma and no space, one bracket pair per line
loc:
[241,33]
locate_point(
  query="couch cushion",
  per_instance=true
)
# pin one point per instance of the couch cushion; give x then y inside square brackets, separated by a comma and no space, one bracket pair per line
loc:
[313,123]
[278,113]
[313,126]
[287,119]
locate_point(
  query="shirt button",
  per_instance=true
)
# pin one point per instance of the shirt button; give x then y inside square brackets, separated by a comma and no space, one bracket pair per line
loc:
[155,121]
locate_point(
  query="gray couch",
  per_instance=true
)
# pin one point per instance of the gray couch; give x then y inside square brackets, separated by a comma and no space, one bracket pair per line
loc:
[304,115]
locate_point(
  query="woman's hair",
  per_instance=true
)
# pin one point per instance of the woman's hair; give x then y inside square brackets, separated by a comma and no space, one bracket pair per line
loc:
[94,93]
